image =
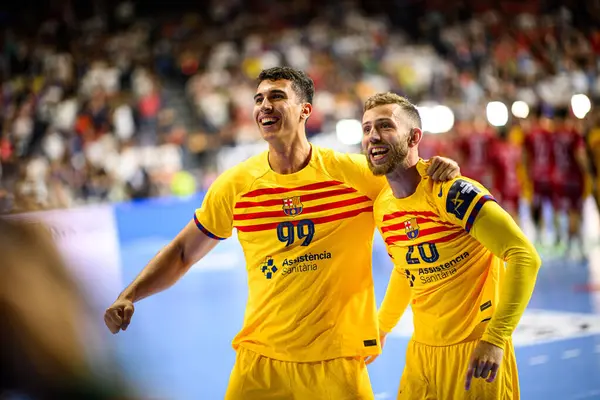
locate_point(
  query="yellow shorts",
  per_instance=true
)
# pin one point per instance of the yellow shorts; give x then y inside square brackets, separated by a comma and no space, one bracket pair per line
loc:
[439,373]
[258,377]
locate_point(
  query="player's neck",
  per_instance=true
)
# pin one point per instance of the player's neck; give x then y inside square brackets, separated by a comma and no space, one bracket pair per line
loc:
[291,157]
[405,178]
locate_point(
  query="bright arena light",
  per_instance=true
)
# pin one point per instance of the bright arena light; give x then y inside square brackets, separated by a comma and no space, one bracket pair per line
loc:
[497,113]
[426,118]
[520,109]
[436,119]
[349,131]
[444,119]
[581,105]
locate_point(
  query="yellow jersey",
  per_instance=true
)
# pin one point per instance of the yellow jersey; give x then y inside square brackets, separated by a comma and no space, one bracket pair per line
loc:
[593,143]
[452,278]
[307,239]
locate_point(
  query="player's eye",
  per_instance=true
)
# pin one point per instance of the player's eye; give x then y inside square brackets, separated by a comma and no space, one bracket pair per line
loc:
[366,130]
[258,100]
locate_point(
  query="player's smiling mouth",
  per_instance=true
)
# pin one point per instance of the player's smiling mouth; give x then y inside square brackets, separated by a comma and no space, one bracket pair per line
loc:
[269,122]
[378,153]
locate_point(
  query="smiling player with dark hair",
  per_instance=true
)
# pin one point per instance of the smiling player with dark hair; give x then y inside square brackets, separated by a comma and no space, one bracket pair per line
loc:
[304,219]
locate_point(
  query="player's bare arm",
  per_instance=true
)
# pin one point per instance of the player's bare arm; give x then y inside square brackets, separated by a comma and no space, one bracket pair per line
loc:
[498,232]
[170,264]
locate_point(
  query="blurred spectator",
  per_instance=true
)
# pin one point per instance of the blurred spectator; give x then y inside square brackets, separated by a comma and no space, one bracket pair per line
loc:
[44,346]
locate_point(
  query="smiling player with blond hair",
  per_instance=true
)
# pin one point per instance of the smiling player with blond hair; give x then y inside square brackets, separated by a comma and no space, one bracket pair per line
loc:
[449,242]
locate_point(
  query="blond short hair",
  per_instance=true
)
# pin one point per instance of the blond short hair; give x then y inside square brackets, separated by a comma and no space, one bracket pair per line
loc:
[382,99]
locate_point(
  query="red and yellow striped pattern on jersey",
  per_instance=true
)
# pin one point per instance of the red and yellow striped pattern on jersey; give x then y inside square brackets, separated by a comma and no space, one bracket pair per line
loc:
[453,279]
[307,239]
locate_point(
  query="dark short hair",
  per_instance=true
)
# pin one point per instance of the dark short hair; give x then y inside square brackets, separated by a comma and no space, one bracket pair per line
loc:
[301,82]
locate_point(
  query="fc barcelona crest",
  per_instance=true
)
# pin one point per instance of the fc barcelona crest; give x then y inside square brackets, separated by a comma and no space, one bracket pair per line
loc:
[412,228]
[292,206]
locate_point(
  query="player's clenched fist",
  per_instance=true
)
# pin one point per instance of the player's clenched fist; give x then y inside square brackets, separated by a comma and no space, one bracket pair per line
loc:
[118,315]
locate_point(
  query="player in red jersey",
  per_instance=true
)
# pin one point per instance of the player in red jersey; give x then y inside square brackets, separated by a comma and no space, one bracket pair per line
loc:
[539,160]
[474,148]
[568,177]
[505,157]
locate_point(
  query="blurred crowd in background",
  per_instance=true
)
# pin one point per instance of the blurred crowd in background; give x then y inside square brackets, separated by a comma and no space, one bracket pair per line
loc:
[120,100]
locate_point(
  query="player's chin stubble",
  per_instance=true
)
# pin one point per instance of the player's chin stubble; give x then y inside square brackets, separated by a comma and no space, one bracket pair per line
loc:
[396,158]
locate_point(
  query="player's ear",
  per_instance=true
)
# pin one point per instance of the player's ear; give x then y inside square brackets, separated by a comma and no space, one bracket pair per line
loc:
[415,137]
[306,111]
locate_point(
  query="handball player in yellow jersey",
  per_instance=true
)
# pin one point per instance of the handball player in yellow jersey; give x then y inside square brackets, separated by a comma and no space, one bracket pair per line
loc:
[449,242]
[304,217]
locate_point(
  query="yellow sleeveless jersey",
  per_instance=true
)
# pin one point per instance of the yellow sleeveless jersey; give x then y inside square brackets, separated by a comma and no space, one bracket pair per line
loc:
[453,279]
[307,239]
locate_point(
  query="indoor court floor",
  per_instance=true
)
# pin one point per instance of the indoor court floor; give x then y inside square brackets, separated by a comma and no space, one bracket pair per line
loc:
[179,343]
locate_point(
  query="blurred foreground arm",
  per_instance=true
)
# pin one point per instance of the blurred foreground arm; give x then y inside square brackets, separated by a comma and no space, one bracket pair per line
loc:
[46,352]
[170,264]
